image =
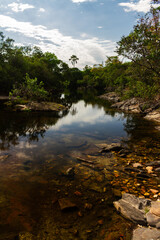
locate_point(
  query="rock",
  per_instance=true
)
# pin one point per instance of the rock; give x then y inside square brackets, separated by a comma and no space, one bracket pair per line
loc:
[130,212]
[137,165]
[111,97]
[112,147]
[157,169]
[139,203]
[142,233]
[117,193]
[154,191]
[158,225]
[131,169]
[154,115]
[152,219]
[155,208]
[142,175]
[154,163]
[88,206]
[65,204]
[131,105]
[149,169]
[70,172]
[42,106]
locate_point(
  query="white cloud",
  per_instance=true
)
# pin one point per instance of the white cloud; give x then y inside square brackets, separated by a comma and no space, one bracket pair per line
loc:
[89,51]
[42,10]
[19,7]
[80,1]
[138,6]
[100,27]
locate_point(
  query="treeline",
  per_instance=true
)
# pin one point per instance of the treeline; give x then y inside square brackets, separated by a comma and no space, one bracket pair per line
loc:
[139,77]
[16,62]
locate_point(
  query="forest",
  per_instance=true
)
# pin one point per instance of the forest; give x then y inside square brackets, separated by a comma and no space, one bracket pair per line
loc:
[133,72]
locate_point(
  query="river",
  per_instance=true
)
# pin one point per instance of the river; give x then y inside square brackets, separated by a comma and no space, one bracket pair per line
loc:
[40,170]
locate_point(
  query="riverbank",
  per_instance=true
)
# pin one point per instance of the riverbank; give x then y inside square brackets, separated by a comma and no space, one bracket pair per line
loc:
[150,109]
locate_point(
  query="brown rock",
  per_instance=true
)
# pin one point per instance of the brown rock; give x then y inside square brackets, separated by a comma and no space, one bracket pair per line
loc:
[65,203]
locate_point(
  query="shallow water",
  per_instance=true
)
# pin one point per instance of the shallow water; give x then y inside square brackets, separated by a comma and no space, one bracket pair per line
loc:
[39,148]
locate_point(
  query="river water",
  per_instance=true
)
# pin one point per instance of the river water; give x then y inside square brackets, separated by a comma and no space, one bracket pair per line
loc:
[36,152]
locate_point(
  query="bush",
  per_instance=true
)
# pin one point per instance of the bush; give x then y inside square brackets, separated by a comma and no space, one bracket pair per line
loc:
[30,89]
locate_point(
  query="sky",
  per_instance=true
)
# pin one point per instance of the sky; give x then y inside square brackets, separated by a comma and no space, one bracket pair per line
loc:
[88,29]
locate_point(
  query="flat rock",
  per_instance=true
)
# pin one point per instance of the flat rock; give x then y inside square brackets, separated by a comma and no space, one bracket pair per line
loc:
[146,234]
[155,208]
[42,106]
[152,219]
[130,212]
[66,203]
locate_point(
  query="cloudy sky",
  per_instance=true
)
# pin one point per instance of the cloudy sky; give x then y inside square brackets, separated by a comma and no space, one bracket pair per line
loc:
[88,29]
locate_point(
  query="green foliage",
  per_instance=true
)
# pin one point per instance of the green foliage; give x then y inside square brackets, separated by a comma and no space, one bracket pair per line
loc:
[30,89]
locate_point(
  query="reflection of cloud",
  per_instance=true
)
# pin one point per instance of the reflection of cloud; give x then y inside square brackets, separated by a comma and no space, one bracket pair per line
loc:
[140,6]
[27,145]
[89,51]
[84,115]
[19,7]
[22,155]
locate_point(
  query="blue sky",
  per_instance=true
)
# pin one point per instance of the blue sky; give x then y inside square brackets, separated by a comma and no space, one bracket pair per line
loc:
[88,29]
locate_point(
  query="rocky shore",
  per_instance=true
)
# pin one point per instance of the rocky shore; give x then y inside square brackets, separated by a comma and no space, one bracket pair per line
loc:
[144,212]
[150,109]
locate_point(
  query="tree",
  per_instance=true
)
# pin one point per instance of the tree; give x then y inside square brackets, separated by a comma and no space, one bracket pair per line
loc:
[73,60]
[142,47]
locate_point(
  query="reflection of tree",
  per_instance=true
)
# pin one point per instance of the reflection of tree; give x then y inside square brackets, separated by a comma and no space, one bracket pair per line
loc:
[138,129]
[29,125]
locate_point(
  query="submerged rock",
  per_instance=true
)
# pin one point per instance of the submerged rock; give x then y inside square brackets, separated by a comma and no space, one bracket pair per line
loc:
[66,203]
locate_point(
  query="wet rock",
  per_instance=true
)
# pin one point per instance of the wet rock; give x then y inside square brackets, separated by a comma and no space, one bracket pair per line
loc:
[66,204]
[112,147]
[130,212]
[154,163]
[137,165]
[142,175]
[70,172]
[154,191]
[157,169]
[152,219]
[142,233]
[155,208]
[117,193]
[149,169]
[88,206]
[131,169]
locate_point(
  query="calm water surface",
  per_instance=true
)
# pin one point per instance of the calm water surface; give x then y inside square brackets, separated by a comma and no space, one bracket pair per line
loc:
[39,148]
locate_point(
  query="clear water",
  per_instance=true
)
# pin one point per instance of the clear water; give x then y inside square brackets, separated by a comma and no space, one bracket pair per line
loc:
[40,147]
